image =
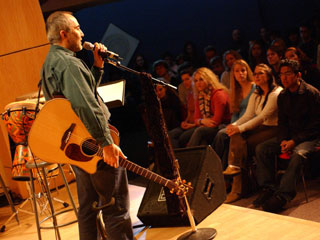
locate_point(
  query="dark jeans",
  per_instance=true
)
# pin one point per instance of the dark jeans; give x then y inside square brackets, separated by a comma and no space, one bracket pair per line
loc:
[266,153]
[202,136]
[221,146]
[179,137]
[102,186]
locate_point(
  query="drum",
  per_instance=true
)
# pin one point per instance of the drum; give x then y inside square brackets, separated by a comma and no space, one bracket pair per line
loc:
[18,118]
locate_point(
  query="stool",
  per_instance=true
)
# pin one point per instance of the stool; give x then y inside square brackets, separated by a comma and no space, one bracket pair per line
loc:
[42,165]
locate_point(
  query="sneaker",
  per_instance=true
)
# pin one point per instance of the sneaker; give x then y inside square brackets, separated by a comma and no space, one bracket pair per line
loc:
[264,195]
[232,171]
[274,204]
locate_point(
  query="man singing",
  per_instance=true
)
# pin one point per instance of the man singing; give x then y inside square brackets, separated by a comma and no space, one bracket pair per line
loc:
[65,75]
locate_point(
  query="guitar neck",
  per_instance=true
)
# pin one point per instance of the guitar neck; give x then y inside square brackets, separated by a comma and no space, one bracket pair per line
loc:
[142,171]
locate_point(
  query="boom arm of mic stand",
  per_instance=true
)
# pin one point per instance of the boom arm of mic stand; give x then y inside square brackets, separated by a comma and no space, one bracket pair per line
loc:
[118,65]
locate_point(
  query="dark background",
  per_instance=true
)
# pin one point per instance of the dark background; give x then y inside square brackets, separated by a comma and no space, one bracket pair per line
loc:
[166,25]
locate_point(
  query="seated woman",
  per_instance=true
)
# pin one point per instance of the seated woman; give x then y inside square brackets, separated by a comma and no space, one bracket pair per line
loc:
[211,107]
[171,106]
[258,124]
[241,88]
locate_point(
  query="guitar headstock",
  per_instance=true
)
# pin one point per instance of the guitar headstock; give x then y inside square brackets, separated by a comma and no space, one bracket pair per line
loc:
[180,187]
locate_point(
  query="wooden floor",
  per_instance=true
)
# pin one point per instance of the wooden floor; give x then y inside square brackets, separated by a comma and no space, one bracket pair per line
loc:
[231,222]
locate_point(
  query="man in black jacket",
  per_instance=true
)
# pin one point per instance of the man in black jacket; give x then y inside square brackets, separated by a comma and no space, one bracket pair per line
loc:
[299,132]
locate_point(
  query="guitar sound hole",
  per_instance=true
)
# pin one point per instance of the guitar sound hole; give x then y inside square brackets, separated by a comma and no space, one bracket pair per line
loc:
[89,147]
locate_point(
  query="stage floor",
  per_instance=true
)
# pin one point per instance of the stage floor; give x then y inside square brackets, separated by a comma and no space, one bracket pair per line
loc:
[230,222]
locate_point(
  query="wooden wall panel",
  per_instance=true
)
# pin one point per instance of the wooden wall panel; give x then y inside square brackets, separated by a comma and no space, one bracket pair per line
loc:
[22,25]
[22,51]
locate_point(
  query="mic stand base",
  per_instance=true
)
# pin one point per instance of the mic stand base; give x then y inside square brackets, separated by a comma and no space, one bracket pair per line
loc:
[199,234]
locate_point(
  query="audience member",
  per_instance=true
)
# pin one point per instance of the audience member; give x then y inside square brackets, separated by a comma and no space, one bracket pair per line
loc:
[180,136]
[216,65]
[241,88]
[309,73]
[293,38]
[190,54]
[258,123]
[173,67]
[265,37]
[171,106]
[211,107]
[257,54]
[238,44]
[299,131]
[280,44]
[229,57]
[209,53]
[274,56]
[308,45]
[161,70]
[185,88]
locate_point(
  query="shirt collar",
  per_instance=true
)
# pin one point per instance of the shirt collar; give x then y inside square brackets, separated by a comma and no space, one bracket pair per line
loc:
[59,48]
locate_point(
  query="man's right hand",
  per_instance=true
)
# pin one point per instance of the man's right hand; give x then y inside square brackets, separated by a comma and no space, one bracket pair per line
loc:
[111,155]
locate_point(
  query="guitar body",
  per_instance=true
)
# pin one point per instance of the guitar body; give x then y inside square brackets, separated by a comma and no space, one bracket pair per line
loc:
[57,135]
[50,125]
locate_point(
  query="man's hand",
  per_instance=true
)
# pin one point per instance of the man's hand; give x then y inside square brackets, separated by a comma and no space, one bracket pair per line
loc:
[111,155]
[98,60]
[287,146]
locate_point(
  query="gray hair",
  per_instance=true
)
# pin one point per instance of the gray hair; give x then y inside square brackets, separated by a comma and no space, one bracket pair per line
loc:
[56,22]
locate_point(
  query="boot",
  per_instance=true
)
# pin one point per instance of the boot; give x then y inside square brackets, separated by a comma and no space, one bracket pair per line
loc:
[235,193]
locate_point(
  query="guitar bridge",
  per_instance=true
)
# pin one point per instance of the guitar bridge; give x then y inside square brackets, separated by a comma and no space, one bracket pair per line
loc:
[66,136]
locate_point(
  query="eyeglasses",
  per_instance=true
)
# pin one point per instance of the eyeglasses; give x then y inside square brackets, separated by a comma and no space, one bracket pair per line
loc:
[287,74]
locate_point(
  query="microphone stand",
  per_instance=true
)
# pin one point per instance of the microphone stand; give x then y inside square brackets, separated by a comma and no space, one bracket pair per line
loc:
[194,234]
[118,65]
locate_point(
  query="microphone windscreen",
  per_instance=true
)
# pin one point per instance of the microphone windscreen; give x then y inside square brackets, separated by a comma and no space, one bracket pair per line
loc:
[88,46]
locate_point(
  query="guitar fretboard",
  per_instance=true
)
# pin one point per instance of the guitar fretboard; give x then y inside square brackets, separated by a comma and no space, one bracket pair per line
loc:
[142,171]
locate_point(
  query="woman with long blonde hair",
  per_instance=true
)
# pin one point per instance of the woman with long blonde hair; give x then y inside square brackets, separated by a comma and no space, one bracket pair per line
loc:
[241,88]
[211,106]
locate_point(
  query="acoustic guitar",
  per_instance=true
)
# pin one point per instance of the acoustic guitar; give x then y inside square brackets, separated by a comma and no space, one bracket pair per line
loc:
[58,136]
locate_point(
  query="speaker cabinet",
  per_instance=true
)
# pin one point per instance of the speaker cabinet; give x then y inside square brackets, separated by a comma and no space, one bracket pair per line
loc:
[202,167]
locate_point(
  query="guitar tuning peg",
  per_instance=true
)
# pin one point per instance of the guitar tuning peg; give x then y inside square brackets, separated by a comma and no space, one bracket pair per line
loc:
[171,191]
[189,183]
[184,181]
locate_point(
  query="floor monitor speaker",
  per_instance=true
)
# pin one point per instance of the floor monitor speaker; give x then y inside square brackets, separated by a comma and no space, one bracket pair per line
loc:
[202,167]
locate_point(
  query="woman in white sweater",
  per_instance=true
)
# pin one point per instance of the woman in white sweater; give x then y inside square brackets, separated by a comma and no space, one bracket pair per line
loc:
[258,124]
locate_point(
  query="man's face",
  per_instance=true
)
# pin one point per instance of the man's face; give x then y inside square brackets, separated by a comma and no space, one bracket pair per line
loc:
[289,79]
[74,35]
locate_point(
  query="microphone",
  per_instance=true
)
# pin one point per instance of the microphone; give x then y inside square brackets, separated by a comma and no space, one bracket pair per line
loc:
[107,54]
